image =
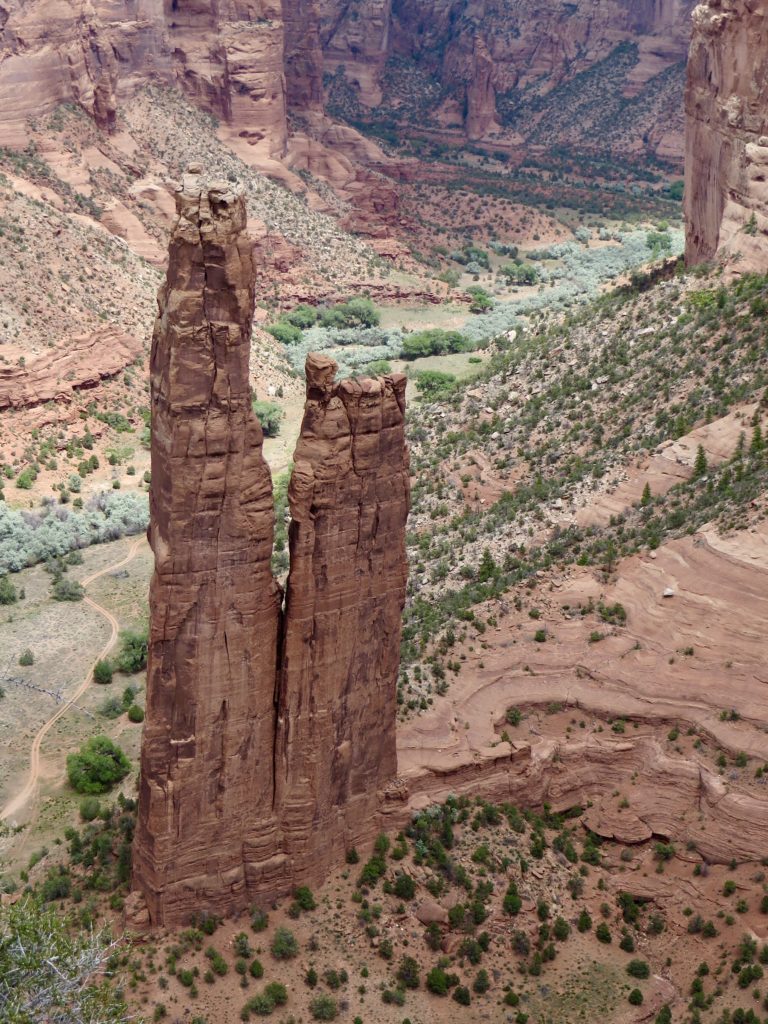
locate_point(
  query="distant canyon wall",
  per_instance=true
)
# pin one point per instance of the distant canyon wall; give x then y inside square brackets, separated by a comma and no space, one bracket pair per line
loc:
[726,193]
[497,61]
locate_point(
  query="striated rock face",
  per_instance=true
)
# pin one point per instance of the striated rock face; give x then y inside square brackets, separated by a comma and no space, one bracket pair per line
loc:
[228,58]
[349,497]
[206,762]
[726,195]
[81,363]
[267,745]
[516,64]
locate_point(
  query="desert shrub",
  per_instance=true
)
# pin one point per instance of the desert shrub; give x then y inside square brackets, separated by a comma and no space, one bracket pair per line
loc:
[111,708]
[323,1007]
[277,992]
[8,593]
[256,969]
[135,713]
[97,766]
[50,971]
[270,416]
[218,963]
[259,919]
[89,808]
[378,368]
[635,997]
[284,944]
[408,972]
[28,537]
[67,590]
[102,671]
[26,657]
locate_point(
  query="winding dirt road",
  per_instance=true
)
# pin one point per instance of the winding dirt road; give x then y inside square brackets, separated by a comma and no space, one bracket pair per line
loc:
[25,795]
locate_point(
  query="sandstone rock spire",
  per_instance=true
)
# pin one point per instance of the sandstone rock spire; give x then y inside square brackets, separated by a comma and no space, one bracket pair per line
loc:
[349,498]
[258,773]
[206,789]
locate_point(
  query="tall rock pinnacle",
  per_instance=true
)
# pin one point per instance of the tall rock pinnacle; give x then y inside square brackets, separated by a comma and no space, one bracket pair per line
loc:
[269,738]
[206,764]
[349,497]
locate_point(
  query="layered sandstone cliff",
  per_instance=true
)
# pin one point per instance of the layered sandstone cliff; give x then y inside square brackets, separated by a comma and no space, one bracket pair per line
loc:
[269,737]
[726,195]
[228,57]
[205,804]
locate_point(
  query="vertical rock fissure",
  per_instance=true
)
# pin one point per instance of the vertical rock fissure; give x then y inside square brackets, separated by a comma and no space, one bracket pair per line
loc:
[270,730]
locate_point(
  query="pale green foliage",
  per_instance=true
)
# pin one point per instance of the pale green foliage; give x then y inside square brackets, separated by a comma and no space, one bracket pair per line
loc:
[49,975]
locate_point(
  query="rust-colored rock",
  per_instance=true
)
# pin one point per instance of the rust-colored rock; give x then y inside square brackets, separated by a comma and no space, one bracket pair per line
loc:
[206,764]
[348,497]
[256,774]
[81,363]
[726,196]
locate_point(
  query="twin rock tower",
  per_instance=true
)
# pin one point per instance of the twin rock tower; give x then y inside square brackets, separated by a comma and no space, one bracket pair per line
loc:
[269,739]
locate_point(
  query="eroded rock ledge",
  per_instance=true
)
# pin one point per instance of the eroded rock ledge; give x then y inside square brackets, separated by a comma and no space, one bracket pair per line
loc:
[257,771]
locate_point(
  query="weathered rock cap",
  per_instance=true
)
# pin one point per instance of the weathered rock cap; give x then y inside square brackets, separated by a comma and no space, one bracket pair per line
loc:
[213,206]
[320,371]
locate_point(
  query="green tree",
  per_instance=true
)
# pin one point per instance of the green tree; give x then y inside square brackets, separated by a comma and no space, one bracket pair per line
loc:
[437,982]
[132,656]
[434,384]
[647,497]
[700,463]
[97,766]
[758,443]
[269,415]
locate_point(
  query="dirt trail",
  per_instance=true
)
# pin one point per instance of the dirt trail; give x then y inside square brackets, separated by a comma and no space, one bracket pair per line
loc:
[21,799]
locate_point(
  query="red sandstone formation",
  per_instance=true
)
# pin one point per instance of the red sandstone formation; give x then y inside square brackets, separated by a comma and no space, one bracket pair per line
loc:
[349,498]
[82,363]
[726,198]
[256,775]
[206,764]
